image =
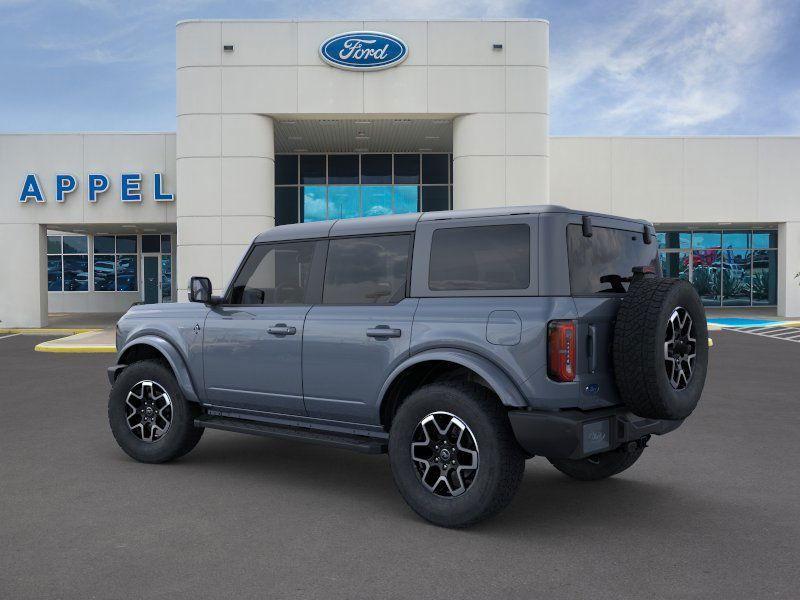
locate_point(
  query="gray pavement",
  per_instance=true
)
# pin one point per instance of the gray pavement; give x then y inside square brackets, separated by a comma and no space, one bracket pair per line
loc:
[711,511]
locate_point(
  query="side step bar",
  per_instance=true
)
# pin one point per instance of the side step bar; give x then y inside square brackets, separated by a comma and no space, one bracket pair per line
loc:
[358,443]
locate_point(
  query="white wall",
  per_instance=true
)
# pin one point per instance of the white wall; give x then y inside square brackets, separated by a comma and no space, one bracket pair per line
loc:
[226,101]
[23,263]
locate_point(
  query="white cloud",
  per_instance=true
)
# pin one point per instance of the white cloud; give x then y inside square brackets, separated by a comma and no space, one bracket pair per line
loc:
[669,69]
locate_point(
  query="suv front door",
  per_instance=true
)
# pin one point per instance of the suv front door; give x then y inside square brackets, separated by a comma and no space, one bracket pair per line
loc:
[252,342]
[362,329]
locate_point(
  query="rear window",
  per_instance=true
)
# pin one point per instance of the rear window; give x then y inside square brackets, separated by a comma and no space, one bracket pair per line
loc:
[490,257]
[598,264]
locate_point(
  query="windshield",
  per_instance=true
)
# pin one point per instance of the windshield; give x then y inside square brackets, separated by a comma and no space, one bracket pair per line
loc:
[603,263]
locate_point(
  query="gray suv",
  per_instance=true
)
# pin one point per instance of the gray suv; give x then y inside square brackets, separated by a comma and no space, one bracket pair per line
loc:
[462,343]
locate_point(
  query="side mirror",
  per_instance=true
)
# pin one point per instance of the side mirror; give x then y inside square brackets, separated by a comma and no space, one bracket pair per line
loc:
[200,290]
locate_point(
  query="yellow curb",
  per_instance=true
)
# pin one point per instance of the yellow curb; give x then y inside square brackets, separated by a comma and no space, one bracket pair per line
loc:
[98,349]
[46,331]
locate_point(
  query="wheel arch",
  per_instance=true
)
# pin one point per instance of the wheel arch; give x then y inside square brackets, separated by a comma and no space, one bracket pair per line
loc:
[154,347]
[434,364]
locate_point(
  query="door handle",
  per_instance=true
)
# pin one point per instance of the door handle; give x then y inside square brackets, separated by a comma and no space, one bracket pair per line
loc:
[383,331]
[591,347]
[282,329]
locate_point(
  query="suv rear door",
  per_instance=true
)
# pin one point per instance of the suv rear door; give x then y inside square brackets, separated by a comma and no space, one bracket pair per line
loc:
[362,328]
[613,249]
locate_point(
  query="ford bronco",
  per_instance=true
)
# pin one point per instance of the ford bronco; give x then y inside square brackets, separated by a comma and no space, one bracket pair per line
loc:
[462,343]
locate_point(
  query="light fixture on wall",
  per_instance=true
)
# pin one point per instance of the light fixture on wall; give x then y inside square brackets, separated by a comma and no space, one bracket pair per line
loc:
[228,48]
[497,46]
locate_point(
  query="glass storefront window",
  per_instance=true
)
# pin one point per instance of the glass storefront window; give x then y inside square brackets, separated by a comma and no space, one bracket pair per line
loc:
[54,276]
[54,244]
[406,168]
[313,203]
[75,244]
[166,244]
[406,199]
[76,273]
[376,168]
[360,185]
[435,197]
[166,278]
[706,266]
[126,274]
[151,243]
[675,264]
[765,239]
[736,278]
[104,244]
[343,168]
[434,168]
[312,168]
[343,201]
[707,239]
[765,277]
[126,244]
[736,239]
[742,273]
[104,273]
[286,169]
[376,200]
[286,206]
[674,239]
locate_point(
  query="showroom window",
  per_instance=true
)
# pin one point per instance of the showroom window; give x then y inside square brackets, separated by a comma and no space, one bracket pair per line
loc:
[67,263]
[727,267]
[316,187]
[115,263]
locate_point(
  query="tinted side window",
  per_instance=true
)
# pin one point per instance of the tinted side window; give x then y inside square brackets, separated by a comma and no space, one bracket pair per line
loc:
[367,270]
[274,274]
[490,257]
[609,254]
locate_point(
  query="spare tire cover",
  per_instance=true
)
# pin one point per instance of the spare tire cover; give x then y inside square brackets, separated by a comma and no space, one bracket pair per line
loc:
[660,348]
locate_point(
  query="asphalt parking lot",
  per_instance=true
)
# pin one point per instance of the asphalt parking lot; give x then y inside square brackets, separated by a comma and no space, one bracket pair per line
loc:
[711,511]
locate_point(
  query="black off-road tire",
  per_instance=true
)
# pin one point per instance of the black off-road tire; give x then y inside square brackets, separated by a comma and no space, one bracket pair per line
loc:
[599,466]
[179,438]
[640,368]
[500,459]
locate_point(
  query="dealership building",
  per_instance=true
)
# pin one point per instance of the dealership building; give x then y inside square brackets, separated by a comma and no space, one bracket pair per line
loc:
[290,121]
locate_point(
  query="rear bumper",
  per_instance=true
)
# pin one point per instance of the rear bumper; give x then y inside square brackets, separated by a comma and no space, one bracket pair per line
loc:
[578,434]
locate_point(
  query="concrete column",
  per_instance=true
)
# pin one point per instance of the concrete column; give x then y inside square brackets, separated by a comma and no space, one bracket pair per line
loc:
[788,265]
[500,160]
[226,178]
[24,275]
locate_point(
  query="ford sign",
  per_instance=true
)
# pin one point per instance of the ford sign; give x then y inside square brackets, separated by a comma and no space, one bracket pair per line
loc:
[363,50]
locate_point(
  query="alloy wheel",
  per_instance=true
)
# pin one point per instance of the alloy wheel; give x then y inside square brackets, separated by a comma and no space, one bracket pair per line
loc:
[680,348]
[445,454]
[148,411]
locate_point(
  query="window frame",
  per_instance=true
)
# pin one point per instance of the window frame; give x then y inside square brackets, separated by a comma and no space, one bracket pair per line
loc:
[420,273]
[313,288]
[137,263]
[394,300]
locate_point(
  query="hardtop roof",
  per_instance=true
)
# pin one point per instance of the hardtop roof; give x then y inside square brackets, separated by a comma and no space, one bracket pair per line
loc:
[408,222]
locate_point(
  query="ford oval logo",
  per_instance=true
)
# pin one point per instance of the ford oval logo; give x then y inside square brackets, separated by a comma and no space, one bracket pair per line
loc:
[363,50]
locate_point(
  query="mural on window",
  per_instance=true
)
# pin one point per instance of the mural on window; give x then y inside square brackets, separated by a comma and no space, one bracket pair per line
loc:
[727,267]
[316,187]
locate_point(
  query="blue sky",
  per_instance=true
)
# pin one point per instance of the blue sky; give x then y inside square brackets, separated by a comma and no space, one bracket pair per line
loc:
[671,67]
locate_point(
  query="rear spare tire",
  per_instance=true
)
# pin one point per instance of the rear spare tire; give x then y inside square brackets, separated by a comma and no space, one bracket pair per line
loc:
[660,348]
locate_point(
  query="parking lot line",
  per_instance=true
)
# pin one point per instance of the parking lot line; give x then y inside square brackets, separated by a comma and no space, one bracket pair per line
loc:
[2,337]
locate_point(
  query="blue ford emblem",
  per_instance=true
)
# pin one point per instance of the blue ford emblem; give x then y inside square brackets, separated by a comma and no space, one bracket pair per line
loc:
[363,50]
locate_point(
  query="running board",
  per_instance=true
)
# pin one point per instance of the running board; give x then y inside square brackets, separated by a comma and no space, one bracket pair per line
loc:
[358,443]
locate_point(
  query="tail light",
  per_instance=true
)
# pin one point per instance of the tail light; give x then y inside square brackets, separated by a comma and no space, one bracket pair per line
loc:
[561,350]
